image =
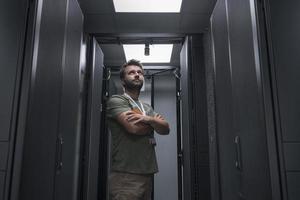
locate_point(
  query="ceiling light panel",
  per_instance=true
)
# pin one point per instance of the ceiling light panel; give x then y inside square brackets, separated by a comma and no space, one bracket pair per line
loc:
[159,53]
[148,6]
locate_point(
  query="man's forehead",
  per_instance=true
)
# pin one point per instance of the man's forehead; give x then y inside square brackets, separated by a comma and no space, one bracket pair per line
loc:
[132,67]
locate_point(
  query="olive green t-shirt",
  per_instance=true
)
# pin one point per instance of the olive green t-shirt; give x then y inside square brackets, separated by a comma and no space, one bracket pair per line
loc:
[130,153]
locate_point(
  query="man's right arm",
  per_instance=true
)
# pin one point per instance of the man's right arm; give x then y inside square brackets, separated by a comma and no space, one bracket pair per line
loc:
[137,129]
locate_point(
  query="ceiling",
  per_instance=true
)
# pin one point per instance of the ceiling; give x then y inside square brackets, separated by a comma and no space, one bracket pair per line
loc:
[101,20]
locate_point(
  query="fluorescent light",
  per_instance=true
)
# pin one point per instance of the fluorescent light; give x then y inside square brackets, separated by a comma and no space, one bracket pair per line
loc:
[159,53]
[146,6]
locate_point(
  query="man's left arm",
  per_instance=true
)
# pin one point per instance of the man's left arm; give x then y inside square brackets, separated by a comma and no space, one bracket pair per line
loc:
[159,124]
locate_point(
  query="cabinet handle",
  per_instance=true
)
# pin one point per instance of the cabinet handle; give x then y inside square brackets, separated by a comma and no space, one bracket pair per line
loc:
[238,160]
[59,147]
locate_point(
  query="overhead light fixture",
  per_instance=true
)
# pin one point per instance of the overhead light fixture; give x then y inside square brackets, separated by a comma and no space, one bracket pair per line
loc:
[148,6]
[160,53]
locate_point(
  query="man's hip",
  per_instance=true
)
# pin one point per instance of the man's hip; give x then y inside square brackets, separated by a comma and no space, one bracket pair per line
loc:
[126,186]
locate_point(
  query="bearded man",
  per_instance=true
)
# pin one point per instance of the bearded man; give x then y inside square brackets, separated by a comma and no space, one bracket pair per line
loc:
[132,123]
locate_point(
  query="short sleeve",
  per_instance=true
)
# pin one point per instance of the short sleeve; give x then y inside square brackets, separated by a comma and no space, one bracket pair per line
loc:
[117,105]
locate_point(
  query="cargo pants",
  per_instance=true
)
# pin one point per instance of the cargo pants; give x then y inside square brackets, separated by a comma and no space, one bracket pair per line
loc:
[125,186]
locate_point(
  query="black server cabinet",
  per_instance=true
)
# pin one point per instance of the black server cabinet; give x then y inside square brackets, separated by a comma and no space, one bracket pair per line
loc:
[70,113]
[49,146]
[242,134]
[94,127]
[194,130]
[280,21]
[13,19]
[185,119]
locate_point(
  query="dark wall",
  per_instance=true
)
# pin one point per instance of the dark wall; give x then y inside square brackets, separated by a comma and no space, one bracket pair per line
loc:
[284,30]
[12,36]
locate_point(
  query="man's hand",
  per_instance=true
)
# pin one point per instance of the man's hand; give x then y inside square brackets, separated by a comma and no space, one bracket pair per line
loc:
[136,118]
[159,117]
[157,122]
[134,128]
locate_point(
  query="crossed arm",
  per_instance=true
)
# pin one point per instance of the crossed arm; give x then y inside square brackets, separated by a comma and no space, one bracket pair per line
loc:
[141,124]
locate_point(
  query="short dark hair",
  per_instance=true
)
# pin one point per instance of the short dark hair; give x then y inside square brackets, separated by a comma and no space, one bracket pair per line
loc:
[130,62]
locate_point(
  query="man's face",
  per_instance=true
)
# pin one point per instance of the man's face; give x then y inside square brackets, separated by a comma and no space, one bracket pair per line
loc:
[133,77]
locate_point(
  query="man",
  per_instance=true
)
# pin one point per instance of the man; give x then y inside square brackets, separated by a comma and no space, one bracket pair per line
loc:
[132,123]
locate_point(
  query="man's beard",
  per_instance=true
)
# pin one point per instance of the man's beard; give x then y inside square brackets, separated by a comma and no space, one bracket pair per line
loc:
[132,85]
